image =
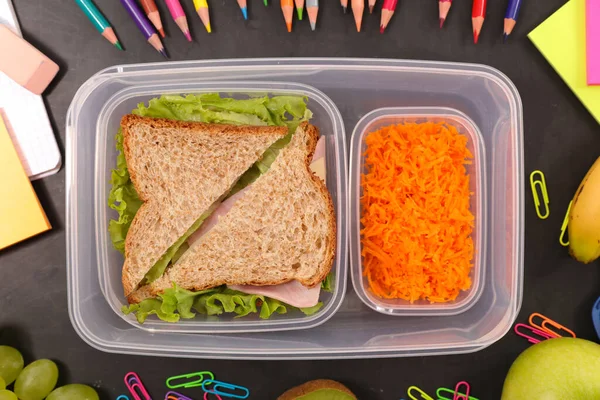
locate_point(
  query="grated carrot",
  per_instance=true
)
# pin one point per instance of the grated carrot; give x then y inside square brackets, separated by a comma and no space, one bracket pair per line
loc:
[417,225]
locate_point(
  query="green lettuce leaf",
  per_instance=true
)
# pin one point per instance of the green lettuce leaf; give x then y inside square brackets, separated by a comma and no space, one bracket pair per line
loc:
[327,284]
[176,303]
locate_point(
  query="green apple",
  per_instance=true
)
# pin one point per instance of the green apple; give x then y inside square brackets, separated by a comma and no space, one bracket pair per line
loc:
[555,369]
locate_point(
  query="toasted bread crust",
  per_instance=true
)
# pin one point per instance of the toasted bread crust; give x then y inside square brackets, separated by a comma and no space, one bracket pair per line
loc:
[313,386]
[321,271]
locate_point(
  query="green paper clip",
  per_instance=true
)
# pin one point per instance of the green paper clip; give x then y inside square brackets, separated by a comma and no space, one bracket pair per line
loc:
[188,383]
[541,182]
[440,393]
[563,228]
[422,395]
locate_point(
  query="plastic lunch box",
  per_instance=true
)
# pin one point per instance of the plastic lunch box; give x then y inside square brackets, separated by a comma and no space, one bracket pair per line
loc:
[356,87]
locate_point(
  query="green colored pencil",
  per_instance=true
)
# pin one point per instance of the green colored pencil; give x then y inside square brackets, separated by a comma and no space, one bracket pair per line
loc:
[99,22]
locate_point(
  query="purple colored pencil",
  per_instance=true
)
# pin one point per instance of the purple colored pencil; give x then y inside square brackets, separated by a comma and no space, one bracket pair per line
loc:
[144,25]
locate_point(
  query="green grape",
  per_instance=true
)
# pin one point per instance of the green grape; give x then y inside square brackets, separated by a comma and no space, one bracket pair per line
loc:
[7,395]
[11,363]
[75,391]
[2,384]
[37,380]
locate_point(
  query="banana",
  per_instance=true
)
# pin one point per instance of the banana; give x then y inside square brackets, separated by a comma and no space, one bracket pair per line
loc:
[584,218]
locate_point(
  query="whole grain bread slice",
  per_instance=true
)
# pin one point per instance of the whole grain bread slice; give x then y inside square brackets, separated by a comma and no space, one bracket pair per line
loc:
[283,228]
[179,169]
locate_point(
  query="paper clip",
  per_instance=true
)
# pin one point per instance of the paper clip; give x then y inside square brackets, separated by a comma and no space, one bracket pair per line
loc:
[541,183]
[201,375]
[176,396]
[233,389]
[122,397]
[458,395]
[542,334]
[216,395]
[547,321]
[563,228]
[134,384]
[422,395]
[596,316]
[440,393]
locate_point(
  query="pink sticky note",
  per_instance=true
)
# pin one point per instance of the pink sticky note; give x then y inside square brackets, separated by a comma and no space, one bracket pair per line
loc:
[592,14]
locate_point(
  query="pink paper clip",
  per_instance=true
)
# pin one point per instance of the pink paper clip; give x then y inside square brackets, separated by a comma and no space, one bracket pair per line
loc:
[464,395]
[531,339]
[216,396]
[135,386]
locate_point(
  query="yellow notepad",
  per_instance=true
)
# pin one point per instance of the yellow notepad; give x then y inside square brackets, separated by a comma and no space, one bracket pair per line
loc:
[561,40]
[21,215]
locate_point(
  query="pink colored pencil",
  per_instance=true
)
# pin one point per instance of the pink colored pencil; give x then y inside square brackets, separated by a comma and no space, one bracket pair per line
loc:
[179,16]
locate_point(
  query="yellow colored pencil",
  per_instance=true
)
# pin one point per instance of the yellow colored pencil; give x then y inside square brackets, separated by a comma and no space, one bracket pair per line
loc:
[202,10]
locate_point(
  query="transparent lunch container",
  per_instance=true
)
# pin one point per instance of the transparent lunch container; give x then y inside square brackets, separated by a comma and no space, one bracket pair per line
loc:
[383,117]
[355,87]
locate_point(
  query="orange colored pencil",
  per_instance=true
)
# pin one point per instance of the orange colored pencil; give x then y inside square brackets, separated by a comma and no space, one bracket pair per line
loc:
[358,8]
[287,7]
[478,15]
[151,11]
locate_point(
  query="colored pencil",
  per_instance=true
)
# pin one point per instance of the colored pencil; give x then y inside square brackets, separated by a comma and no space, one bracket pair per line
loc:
[244,7]
[144,25]
[478,15]
[287,7]
[372,6]
[266,3]
[151,11]
[300,8]
[312,9]
[202,10]
[444,9]
[387,12]
[358,8]
[100,23]
[510,19]
[179,17]
[344,5]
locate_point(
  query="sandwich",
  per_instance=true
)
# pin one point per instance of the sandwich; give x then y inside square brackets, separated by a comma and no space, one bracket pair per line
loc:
[222,216]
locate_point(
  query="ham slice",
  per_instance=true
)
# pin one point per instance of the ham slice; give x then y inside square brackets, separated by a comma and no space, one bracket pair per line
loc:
[292,293]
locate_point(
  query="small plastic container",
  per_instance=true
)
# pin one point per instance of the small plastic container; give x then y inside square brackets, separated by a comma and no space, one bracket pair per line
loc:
[378,119]
[356,87]
[110,262]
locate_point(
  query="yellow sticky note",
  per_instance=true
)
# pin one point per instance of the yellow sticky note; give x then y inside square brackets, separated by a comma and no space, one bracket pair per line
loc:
[561,40]
[21,214]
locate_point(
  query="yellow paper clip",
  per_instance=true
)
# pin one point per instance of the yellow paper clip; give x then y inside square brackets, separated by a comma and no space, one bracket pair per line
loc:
[563,228]
[548,322]
[541,182]
[422,395]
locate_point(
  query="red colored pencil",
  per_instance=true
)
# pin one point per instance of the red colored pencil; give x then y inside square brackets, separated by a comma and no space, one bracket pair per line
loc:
[478,15]
[151,11]
[387,11]
[444,9]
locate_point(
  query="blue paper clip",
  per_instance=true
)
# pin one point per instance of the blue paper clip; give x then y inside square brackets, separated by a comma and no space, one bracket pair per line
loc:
[442,392]
[176,396]
[422,394]
[596,316]
[122,397]
[233,390]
